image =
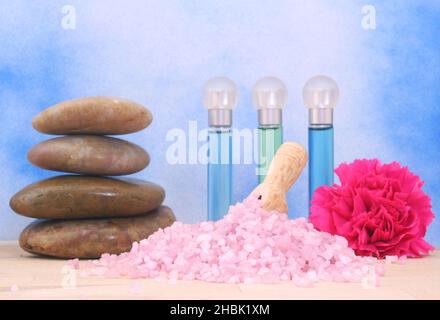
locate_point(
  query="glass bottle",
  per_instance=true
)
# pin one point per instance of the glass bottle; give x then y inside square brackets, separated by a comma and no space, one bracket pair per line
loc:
[269,97]
[220,97]
[320,96]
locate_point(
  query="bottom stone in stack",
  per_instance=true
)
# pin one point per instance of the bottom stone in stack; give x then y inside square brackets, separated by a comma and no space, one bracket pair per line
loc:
[89,238]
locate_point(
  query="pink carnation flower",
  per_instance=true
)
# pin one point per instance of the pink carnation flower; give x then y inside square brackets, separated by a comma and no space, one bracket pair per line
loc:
[380,209]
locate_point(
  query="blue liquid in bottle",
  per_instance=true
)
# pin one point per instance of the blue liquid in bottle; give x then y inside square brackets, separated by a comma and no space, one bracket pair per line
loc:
[321,157]
[219,172]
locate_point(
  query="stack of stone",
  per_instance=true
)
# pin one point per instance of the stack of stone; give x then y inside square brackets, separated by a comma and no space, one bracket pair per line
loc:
[86,213]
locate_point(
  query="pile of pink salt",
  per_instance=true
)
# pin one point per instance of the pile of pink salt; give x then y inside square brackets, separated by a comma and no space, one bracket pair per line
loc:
[249,245]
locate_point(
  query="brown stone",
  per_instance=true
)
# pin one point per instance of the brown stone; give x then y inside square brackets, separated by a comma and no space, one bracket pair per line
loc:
[87,154]
[73,197]
[93,115]
[90,238]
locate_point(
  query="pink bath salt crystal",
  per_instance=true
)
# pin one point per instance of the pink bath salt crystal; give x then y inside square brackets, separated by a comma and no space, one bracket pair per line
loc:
[402,260]
[74,263]
[344,259]
[205,245]
[173,275]
[312,275]
[266,253]
[134,247]
[250,280]
[221,241]
[263,271]
[269,278]
[248,247]
[391,259]
[14,288]
[188,277]
[347,274]
[327,254]
[380,269]
[302,282]
[207,226]
[204,237]
[325,276]
[270,241]
[284,277]
[341,241]
[234,279]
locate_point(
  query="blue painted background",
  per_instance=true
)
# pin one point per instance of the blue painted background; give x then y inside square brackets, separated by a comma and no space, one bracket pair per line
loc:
[159,53]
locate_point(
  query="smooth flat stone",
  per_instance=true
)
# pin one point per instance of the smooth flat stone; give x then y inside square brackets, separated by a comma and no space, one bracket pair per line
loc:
[73,197]
[90,238]
[93,115]
[93,155]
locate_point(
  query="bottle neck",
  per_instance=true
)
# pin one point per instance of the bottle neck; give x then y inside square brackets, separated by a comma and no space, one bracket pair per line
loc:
[320,116]
[220,118]
[270,118]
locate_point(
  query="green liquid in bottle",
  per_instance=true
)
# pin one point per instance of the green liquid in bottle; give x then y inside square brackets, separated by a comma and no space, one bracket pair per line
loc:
[269,140]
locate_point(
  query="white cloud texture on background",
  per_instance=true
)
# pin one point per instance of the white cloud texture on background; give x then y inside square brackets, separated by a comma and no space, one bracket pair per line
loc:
[160,53]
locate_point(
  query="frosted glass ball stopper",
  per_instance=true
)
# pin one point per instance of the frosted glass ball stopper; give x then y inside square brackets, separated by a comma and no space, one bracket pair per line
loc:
[220,93]
[320,95]
[320,92]
[269,93]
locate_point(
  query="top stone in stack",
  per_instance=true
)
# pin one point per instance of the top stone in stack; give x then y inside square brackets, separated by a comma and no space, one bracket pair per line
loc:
[93,115]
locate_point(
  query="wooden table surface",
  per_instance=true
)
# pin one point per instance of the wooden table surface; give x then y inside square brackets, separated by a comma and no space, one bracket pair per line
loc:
[23,276]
